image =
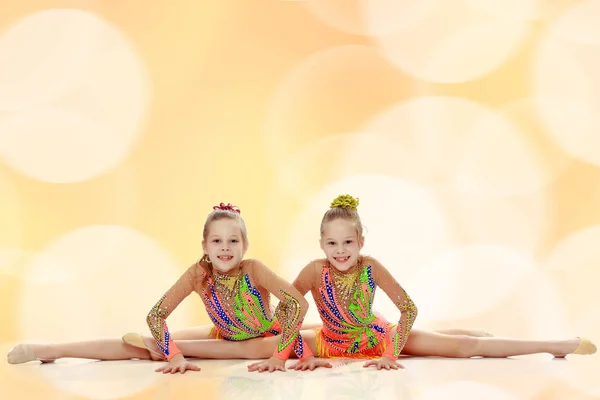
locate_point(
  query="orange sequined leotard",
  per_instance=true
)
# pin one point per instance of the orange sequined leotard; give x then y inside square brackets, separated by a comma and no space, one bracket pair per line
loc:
[238,305]
[345,300]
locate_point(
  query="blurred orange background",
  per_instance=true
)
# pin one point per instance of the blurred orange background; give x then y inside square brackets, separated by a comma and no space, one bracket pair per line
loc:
[468,129]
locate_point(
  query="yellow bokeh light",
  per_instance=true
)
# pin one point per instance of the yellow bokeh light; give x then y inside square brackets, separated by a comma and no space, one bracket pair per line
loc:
[520,10]
[467,145]
[520,222]
[455,44]
[10,214]
[370,17]
[468,280]
[507,153]
[566,81]
[59,52]
[62,300]
[573,265]
[92,115]
[327,94]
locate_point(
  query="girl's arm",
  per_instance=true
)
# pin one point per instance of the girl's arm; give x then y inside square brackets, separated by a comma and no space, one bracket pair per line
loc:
[290,311]
[407,308]
[308,278]
[157,316]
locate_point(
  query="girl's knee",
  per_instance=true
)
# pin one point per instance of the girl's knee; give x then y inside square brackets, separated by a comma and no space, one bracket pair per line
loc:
[466,346]
[257,349]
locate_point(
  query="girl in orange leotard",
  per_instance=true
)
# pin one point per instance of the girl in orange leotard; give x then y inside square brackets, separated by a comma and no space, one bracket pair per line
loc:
[343,286]
[236,293]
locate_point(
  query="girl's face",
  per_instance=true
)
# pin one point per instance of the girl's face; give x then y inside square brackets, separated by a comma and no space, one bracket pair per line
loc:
[224,244]
[341,243]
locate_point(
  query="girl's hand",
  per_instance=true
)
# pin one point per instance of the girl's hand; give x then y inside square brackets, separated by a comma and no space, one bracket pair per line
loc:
[271,365]
[310,363]
[178,364]
[384,363]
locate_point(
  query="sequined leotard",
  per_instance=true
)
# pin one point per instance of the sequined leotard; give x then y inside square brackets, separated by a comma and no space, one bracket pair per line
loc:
[238,305]
[345,300]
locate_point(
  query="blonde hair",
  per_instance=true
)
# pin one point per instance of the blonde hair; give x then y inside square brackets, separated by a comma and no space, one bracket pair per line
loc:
[343,207]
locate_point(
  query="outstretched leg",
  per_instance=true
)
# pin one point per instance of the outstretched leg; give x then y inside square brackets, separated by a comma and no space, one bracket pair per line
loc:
[252,349]
[116,349]
[465,332]
[203,332]
[423,343]
[102,349]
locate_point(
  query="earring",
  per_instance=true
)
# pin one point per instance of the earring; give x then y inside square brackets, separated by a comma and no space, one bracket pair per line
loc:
[205,258]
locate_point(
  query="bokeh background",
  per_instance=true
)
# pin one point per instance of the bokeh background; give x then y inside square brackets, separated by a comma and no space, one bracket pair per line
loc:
[468,129]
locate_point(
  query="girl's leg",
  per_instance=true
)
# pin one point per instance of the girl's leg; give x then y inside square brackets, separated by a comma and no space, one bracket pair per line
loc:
[423,343]
[194,333]
[258,348]
[102,349]
[116,349]
[465,332]
[203,332]
[253,349]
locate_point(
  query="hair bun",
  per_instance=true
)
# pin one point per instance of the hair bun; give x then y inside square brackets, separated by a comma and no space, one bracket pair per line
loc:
[227,207]
[345,201]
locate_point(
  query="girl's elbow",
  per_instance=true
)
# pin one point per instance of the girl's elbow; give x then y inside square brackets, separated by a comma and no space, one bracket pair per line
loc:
[414,311]
[150,318]
[303,303]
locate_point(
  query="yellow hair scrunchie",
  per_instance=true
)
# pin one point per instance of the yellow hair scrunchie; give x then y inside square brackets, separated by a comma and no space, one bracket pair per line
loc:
[345,201]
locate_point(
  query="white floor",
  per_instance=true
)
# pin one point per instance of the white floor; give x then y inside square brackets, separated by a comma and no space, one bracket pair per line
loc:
[535,377]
